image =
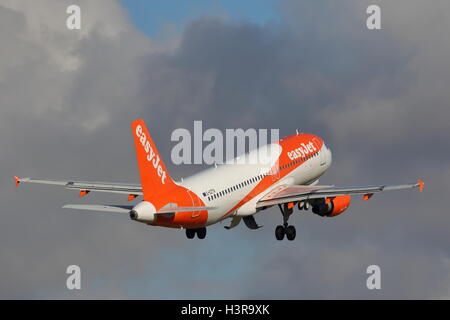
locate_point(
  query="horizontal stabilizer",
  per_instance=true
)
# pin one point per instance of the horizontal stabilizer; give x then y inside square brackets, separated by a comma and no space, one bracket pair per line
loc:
[127,209]
[99,207]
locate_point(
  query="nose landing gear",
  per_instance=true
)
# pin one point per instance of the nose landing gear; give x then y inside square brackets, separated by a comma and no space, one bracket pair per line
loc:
[285,229]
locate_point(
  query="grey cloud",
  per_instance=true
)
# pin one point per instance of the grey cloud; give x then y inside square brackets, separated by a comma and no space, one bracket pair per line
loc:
[378,99]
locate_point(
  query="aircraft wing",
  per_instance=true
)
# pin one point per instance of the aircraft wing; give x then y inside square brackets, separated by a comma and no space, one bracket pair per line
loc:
[85,187]
[285,193]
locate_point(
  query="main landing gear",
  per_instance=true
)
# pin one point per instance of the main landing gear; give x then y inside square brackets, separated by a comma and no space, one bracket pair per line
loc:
[285,229]
[201,233]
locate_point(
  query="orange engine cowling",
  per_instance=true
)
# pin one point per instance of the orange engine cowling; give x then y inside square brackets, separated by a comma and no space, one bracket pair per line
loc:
[331,207]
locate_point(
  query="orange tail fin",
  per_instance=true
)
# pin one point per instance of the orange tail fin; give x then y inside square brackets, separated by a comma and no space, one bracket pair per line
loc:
[154,176]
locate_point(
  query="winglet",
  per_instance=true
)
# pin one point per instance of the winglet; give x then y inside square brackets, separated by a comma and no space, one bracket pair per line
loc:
[421,184]
[17,181]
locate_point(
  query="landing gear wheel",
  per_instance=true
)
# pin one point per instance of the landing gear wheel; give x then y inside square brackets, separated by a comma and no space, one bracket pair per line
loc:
[303,205]
[190,233]
[201,233]
[279,232]
[290,233]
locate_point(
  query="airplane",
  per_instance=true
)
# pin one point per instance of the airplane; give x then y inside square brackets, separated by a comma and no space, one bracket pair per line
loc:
[286,175]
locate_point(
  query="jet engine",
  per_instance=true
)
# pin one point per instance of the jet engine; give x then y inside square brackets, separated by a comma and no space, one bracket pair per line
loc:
[331,207]
[143,212]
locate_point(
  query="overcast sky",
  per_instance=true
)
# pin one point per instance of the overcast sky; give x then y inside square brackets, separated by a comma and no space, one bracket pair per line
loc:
[380,99]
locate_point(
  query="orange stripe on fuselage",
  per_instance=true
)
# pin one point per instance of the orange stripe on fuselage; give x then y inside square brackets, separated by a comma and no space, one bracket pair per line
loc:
[287,144]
